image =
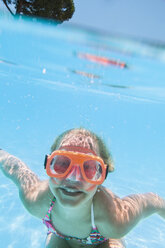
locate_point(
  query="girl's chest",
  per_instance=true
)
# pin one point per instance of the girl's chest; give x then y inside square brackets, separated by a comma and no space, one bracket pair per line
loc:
[73,228]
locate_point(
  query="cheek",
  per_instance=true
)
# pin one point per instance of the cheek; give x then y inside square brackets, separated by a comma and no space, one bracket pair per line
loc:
[54,181]
[54,184]
[91,187]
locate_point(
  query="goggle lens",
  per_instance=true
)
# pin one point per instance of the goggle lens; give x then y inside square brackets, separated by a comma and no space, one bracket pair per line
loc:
[92,169]
[59,164]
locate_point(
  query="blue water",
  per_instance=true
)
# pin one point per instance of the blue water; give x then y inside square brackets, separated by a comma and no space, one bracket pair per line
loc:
[47,87]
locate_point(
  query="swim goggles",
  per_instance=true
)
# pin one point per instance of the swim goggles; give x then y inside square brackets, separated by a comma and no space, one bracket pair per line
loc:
[60,163]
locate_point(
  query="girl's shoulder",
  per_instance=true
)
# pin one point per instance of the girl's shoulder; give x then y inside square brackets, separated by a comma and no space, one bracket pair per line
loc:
[104,194]
[104,200]
[105,207]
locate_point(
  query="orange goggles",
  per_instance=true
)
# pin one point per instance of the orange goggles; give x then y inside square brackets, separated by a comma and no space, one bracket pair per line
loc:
[60,163]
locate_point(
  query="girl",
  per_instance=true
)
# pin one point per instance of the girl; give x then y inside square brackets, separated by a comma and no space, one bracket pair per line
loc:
[76,209]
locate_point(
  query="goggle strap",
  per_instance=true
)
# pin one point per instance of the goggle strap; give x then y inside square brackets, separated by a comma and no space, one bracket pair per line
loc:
[45,162]
[107,170]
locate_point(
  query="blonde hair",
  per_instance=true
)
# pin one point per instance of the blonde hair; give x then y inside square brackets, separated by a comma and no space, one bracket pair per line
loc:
[84,138]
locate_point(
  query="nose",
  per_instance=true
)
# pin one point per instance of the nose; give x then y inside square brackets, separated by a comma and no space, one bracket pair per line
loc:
[75,174]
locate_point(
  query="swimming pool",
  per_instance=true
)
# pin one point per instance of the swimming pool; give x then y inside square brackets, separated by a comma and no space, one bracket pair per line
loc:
[54,78]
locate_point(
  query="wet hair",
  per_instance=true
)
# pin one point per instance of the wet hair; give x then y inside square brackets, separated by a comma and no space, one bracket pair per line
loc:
[82,137]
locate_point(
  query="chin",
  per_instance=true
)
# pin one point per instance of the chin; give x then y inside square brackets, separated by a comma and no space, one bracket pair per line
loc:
[68,197]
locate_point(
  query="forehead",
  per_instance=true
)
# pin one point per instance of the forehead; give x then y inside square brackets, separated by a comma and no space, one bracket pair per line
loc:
[78,149]
[80,140]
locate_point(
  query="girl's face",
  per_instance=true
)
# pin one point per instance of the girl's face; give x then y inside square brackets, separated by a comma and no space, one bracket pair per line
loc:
[73,189]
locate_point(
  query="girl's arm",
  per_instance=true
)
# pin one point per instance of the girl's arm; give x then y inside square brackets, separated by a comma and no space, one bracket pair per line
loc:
[33,192]
[124,214]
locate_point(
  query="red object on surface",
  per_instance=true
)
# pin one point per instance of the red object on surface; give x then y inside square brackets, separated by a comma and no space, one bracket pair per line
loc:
[102,60]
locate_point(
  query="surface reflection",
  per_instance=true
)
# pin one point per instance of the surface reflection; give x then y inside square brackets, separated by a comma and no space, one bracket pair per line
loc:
[57,10]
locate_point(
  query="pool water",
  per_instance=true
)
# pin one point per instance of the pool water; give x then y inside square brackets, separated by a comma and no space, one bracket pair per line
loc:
[53,78]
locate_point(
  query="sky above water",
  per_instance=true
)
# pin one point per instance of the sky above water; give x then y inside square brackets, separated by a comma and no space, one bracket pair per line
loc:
[131,18]
[137,18]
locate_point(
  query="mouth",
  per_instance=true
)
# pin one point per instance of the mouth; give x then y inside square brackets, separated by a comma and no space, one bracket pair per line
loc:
[71,191]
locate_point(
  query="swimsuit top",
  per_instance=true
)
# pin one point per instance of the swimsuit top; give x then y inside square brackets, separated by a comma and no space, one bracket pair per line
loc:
[94,238]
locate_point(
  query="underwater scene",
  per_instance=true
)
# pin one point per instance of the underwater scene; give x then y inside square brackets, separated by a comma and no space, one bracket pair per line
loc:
[57,77]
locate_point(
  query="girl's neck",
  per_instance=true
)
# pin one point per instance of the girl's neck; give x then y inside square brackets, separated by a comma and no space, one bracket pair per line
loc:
[77,212]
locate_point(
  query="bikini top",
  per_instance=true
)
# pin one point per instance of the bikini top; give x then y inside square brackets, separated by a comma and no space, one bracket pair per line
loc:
[94,238]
